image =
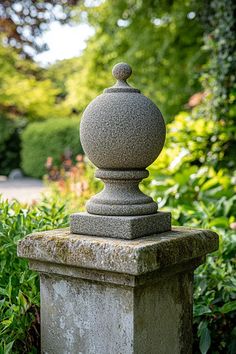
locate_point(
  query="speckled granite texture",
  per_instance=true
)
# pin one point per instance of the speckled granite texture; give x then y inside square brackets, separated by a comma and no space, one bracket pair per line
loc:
[122,131]
[121,227]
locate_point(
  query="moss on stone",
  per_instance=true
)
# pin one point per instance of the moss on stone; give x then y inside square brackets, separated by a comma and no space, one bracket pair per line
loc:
[135,257]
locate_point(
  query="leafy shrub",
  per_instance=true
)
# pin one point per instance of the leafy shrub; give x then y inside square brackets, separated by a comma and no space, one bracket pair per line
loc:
[19,286]
[203,198]
[49,138]
[215,299]
[188,181]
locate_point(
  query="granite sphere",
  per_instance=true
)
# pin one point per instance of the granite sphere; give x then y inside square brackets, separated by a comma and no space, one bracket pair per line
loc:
[122,130]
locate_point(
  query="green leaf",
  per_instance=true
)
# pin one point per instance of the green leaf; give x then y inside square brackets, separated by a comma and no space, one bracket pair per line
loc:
[8,347]
[23,301]
[205,340]
[2,303]
[3,291]
[199,310]
[7,323]
[209,184]
[219,222]
[228,307]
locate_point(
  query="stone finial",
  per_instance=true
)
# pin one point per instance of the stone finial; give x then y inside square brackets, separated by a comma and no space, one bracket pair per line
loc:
[122,71]
[122,132]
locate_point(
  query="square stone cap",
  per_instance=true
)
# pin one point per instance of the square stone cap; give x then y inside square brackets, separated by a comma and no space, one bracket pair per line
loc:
[133,257]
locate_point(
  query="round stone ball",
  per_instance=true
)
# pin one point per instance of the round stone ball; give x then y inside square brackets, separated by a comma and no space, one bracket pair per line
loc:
[122,71]
[122,130]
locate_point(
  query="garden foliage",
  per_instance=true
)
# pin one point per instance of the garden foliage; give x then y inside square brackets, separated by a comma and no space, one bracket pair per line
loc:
[24,97]
[194,177]
[50,138]
[19,287]
[165,56]
[199,196]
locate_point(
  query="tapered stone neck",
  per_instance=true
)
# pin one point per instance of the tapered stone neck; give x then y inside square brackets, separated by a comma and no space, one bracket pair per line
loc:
[121,194]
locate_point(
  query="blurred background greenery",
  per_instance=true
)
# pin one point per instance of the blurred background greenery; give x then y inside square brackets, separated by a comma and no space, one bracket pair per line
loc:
[183,58]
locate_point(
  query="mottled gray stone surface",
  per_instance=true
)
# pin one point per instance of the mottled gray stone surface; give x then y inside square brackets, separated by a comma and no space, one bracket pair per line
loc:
[105,295]
[135,257]
[84,317]
[128,227]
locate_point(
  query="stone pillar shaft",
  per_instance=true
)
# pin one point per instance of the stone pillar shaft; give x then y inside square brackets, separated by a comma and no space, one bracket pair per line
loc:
[102,295]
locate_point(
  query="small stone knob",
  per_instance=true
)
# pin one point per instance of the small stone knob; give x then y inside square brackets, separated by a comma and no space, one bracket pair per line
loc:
[122,132]
[122,71]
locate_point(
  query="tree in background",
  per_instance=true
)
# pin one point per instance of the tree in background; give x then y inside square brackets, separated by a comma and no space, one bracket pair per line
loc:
[25,95]
[161,40]
[23,22]
[177,49]
[206,134]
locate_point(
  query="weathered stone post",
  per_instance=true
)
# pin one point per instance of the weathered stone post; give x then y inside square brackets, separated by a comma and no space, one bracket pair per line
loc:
[120,280]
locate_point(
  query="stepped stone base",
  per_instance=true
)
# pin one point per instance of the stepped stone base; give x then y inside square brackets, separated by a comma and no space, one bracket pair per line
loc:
[122,227]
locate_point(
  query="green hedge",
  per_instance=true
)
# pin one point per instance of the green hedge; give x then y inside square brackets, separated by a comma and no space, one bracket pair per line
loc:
[48,138]
[9,145]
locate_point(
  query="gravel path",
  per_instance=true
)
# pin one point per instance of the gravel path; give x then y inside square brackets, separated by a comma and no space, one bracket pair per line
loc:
[25,190]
